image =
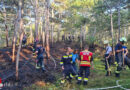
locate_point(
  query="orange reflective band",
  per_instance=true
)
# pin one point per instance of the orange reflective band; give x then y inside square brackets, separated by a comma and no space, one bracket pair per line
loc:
[85,62]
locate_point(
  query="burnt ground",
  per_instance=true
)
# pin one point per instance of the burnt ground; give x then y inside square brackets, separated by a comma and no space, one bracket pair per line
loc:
[28,74]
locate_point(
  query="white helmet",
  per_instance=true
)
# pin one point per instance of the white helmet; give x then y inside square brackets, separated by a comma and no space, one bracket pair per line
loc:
[123,39]
[106,41]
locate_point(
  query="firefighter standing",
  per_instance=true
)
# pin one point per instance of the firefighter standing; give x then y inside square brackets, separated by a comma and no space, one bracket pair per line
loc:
[119,55]
[86,57]
[39,62]
[126,59]
[66,63]
[75,58]
[108,57]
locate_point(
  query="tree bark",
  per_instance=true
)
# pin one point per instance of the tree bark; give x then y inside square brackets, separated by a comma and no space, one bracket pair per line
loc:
[6,27]
[14,38]
[112,31]
[21,6]
[43,26]
[47,28]
[81,38]
[36,19]
[119,16]
[17,58]
[113,50]
[52,28]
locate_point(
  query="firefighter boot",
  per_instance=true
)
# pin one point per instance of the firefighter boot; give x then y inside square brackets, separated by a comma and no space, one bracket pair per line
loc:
[85,83]
[79,82]
[117,74]
[108,73]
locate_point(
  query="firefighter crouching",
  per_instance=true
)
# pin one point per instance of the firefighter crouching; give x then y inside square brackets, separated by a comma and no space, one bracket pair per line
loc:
[86,57]
[66,63]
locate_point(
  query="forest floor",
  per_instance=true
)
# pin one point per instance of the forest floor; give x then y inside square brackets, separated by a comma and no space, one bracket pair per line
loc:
[32,79]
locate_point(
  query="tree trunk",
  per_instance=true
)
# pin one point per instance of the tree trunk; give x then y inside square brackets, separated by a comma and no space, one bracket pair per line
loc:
[58,32]
[119,16]
[31,31]
[21,6]
[31,35]
[127,30]
[14,38]
[6,36]
[47,28]
[52,28]
[13,50]
[112,38]
[81,38]
[112,31]
[17,58]
[84,34]
[6,27]
[36,19]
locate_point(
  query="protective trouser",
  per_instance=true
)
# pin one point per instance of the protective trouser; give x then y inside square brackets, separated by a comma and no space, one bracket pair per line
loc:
[82,70]
[69,72]
[120,63]
[107,64]
[75,67]
[24,42]
[127,61]
[40,64]
[109,61]
[119,58]
[117,73]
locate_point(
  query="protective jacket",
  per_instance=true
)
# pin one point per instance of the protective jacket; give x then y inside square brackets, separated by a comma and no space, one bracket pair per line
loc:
[66,59]
[86,58]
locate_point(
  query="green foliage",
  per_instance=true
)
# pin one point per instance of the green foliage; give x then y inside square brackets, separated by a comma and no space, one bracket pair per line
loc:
[82,3]
[128,38]
[97,79]
[90,40]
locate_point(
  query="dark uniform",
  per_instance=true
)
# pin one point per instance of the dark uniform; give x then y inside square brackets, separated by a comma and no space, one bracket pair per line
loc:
[85,59]
[68,71]
[35,46]
[119,59]
[118,54]
[127,60]
[40,58]
[24,40]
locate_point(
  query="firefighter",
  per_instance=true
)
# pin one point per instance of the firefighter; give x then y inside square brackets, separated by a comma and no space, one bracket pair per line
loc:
[108,54]
[35,45]
[125,53]
[86,58]
[40,58]
[24,40]
[75,58]
[66,64]
[119,55]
